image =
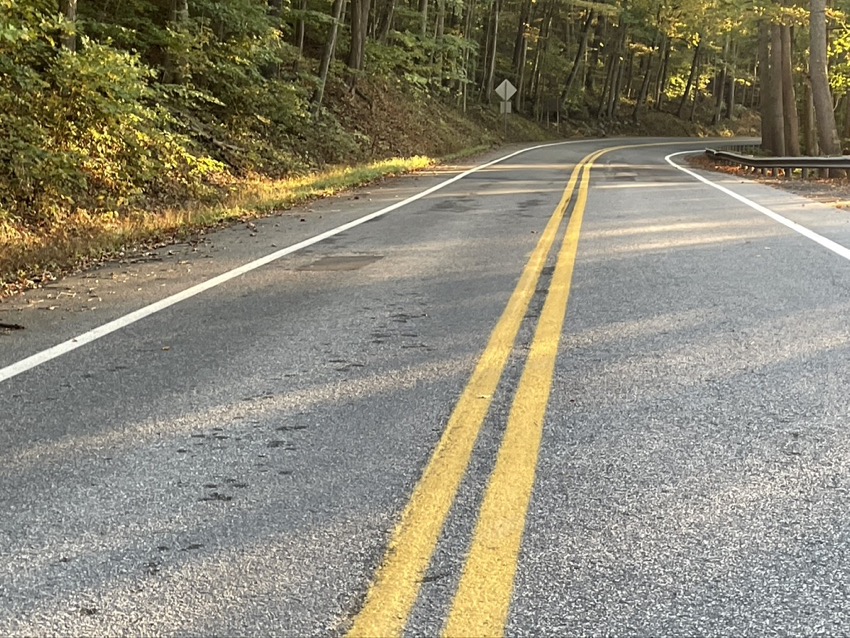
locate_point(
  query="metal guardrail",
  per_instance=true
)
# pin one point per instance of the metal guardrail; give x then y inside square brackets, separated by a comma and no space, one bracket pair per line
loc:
[747,147]
[773,165]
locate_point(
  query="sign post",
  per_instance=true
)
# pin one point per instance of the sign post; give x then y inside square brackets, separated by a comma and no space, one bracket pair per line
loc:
[506,91]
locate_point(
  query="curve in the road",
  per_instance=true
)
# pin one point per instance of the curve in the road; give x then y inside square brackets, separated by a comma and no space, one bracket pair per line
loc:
[484,593]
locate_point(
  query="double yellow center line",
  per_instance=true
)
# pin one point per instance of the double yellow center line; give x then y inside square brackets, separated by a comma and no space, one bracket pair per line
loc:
[480,607]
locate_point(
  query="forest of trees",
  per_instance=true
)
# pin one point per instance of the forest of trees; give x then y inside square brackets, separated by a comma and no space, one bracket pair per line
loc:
[104,103]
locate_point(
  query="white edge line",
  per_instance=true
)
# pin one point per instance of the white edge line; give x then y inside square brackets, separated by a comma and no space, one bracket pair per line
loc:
[838,249]
[65,347]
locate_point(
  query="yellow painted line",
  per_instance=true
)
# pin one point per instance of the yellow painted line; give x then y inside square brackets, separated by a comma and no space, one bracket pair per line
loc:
[397,582]
[483,598]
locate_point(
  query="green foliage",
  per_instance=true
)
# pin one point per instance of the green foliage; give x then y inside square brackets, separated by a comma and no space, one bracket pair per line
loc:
[424,65]
[230,82]
[407,57]
[157,107]
[84,129]
[839,55]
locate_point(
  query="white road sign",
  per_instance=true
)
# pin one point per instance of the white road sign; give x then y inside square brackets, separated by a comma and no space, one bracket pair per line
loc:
[505,90]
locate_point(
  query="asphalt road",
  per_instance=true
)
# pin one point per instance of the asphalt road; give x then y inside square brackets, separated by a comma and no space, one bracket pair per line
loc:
[467,415]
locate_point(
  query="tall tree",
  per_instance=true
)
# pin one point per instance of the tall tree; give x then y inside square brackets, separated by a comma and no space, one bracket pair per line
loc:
[810,133]
[731,84]
[359,32]
[489,83]
[692,76]
[661,80]
[770,95]
[720,83]
[789,96]
[821,94]
[579,56]
[423,18]
[777,113]
[644,85]
[327,56]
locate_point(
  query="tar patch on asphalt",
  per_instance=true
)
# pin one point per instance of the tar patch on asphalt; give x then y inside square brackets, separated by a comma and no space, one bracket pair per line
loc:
[334,263]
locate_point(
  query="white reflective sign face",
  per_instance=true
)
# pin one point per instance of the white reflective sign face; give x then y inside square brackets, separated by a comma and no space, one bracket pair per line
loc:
[505,90]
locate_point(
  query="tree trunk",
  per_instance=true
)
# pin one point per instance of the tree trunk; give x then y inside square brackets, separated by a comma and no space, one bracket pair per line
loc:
[730,97]
[490,75]
[469,21]
[616,89]
[720,85]
[613,65]
[520,85]
[521,63]
[697,93]
[543,46]
[423,17]
[536,67]
[611,69]
[756,73]
[776,90]
[178,16]
[525,9]
[179,11]
[582,48]
[842,111]
[789,97]
[845,111]
[770,136]
[661,89]
[644,88]
[359,31]
[617,76]
[68,9]
[730,84]
[629,75]
[720,98]
[301,29]
[595,37]
[810,133]
[821,94]
[439,32]
[327,56]
[691,77]
[386,23]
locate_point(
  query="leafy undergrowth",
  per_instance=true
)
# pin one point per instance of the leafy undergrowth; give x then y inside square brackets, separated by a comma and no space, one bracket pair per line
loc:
[363,130]
[126,127]
[30,257]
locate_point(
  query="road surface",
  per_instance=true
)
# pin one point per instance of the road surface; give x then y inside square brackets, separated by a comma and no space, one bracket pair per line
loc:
[575,392]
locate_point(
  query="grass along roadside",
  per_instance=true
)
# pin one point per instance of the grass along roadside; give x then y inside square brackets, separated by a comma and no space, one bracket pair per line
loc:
[30,257]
